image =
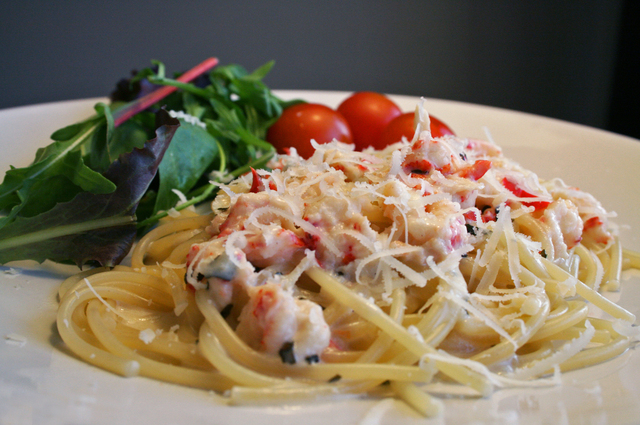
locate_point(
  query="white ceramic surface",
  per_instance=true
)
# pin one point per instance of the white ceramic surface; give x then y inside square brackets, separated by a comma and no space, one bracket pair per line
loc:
[40,382]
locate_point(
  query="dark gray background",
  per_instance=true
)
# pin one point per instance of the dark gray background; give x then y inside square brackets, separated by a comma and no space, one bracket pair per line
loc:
[553,58]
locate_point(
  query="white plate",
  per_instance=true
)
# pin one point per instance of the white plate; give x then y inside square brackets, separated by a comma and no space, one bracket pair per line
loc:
[40,382]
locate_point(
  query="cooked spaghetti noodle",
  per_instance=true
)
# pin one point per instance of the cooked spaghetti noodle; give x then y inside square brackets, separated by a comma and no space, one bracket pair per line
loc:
[432,260]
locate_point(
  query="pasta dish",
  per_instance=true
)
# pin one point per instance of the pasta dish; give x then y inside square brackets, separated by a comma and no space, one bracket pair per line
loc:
[433,260]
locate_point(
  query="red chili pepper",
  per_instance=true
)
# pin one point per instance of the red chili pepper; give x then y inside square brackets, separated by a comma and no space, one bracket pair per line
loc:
[476,170]
[348,257]
[489,215]
[470,215]
[338,167]
[422,165]
[592,222]
[417,145]
[520,193]
[255,186]
[445,169]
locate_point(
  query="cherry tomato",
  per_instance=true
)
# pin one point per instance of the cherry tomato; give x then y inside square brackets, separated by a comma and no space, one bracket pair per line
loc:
[368,114]
[403,125]
[438,128]
[300,123]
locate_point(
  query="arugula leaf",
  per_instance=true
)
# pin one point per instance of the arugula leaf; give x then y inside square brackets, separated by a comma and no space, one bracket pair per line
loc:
[62,180]
[237,109]
[62,157]
[40,195]
[132,134]
[100,156]
[62,206]
[57,159]
[73,130]
[92,227]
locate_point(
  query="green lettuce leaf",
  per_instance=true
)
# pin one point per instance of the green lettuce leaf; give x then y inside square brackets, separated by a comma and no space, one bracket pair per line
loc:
[63,157]
[92,228]
[187,158]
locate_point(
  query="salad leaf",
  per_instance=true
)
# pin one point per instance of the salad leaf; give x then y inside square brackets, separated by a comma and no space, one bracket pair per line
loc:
[92,227]
[188,157]
[84,195]
[237,108]
[62,157]
[99,151]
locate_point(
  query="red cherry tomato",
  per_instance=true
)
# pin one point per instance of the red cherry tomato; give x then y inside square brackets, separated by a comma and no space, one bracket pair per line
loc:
[403,125]
[368,114]
[438,128]
[300,123]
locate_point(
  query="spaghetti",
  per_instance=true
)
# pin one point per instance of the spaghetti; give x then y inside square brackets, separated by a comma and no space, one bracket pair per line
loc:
[432,260]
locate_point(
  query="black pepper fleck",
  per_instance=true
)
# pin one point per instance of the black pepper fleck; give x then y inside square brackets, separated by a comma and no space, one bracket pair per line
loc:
[226,311]
[312,359]
[471,229]
[335,379]
[286,353]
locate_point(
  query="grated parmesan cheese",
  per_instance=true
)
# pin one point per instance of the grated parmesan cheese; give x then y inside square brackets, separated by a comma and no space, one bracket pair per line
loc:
[389,219]
[187,118]
[12,272]
[147,335]
[15,339]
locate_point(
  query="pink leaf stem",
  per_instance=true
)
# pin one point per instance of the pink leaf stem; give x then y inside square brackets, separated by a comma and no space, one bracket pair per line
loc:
[144,102]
